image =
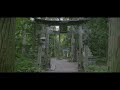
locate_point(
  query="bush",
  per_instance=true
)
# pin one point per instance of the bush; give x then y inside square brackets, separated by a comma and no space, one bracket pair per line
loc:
[101,61]
[97,36]
[24,64]
[96,68]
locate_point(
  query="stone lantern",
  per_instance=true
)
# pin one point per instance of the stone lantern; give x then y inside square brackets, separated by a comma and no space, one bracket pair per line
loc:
[42,41]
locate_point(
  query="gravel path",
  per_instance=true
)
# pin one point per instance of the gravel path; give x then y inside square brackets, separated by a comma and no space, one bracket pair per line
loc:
[63,66]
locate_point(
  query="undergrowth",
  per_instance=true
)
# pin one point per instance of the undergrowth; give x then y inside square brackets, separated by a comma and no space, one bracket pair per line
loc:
[25,64]
[97,68]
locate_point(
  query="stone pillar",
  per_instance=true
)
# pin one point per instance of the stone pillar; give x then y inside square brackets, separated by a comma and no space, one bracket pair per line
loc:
[39,49]
[72,46]
[47,49]
[80,53]
[86,51]
[85,57]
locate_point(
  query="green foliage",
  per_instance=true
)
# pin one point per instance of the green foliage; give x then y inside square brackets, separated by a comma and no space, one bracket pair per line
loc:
[65,43]
[101,61]
[24,64]
[97,41]
[99,66]
[23,25]
[96,68]
[24,61]
[98,36]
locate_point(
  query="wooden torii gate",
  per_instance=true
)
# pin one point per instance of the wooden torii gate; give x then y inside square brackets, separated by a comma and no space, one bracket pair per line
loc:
[63,29]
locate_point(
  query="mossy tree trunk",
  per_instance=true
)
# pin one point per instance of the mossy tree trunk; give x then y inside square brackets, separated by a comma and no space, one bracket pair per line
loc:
[114,45]
[7,44]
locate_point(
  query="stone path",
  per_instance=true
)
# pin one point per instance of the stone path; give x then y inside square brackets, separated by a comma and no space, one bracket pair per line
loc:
[63,66]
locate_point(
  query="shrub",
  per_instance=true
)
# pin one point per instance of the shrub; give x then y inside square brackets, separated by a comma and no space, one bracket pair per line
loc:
[96,68]
[24,64]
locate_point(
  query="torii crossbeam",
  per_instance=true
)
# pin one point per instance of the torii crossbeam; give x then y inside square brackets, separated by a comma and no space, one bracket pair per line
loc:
[57,23]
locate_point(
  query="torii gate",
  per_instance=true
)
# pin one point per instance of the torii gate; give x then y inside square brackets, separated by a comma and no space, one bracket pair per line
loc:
[63,29]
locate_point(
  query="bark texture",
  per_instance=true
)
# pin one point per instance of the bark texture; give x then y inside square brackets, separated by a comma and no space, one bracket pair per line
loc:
[7,44]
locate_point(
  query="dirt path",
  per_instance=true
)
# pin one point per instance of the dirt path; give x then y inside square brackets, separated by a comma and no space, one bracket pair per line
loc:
[63,66]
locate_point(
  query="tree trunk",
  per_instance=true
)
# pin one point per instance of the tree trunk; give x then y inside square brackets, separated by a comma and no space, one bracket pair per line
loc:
[114,45]
[7,44]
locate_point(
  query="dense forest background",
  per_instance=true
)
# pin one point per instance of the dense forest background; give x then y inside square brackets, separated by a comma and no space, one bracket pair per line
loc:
[26,46]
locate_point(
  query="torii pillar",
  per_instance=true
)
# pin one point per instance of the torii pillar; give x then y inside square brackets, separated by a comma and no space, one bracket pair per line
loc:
[80,52]
[47,57]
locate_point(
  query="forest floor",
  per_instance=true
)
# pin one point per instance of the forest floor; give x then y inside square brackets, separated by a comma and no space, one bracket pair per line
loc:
[62,66]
